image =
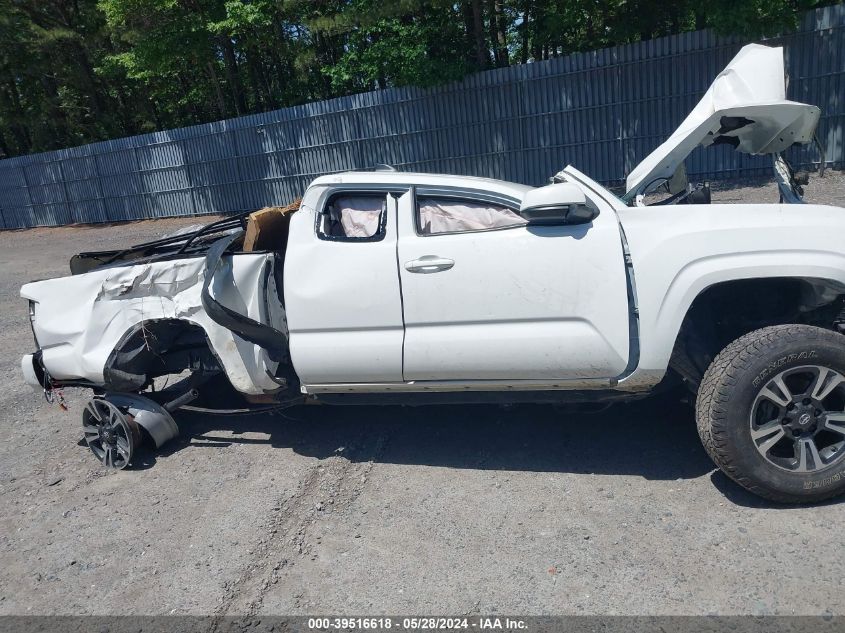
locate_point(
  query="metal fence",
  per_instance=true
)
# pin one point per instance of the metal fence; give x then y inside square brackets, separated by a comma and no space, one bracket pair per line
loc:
[601,111]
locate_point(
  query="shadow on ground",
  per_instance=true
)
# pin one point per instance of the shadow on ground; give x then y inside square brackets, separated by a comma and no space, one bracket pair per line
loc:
[654,438]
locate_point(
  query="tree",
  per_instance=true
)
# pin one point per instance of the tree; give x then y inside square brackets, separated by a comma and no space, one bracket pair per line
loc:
[76,71]
[410,43]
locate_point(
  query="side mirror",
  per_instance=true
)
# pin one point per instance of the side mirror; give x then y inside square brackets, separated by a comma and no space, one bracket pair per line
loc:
[557,204]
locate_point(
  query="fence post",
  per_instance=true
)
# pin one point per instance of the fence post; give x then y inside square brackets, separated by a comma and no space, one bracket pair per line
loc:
[187,165]
[619,115]
[33,220]
[239,180]
[144,192]
[359,145]
[68,210]
[98,178]
[520,113]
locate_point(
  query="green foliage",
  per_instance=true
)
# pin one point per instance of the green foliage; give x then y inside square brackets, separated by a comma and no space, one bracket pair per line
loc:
[76,71]
[415,43]
[755,18]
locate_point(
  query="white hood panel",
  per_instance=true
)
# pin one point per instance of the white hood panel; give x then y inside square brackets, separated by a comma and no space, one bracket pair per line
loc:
[745,106]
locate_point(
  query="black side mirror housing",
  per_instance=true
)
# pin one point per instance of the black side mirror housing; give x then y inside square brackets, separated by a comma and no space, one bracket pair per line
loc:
[557,215]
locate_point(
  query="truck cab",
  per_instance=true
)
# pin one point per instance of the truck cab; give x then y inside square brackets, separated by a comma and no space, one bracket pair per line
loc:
[446,285]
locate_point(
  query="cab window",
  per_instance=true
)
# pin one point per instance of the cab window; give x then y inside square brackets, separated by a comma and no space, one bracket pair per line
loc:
[438,215]
[353,217]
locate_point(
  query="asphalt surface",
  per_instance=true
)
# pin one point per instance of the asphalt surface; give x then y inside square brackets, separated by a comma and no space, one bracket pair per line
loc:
[359,510]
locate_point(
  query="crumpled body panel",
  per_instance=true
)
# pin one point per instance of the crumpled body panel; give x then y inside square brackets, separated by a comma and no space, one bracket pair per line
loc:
[80,319]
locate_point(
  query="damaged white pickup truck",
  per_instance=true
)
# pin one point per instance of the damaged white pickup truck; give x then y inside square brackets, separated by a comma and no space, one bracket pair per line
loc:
[410,288]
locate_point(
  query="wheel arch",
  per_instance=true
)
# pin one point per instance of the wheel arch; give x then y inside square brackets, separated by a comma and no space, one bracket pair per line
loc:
[668,285]
[727,309]
[155,347]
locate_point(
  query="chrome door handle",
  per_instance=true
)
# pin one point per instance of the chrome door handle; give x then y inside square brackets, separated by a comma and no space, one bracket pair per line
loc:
[429,264]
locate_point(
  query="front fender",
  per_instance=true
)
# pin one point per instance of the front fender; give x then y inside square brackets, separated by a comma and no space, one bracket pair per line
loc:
[678,252]
[663,325]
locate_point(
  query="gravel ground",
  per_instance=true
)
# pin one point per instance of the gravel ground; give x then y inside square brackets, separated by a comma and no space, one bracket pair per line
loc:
[454,510]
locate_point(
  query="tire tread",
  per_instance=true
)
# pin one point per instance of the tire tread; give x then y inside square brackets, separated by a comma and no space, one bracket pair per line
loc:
[720,380]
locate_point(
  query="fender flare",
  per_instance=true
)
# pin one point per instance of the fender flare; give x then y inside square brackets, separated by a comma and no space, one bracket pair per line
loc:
[698,276]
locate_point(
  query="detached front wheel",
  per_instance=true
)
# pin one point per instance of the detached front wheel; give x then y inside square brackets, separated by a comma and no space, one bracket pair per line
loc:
[771,412]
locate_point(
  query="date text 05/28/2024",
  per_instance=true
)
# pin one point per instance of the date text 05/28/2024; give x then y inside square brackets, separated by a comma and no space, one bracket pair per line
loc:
[417,623]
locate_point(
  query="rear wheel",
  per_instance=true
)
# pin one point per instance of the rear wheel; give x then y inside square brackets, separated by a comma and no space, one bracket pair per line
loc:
[771,412]
[110,435]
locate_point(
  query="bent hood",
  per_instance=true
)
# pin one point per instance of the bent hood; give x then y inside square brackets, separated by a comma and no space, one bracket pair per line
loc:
[745,107]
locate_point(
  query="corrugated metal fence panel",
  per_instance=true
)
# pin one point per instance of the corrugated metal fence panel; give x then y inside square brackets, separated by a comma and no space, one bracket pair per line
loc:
[602,111]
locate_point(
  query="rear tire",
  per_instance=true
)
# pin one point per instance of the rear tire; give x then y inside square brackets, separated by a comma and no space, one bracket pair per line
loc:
[770,412]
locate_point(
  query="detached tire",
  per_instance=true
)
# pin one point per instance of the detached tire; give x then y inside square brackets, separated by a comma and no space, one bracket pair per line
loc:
[771,413]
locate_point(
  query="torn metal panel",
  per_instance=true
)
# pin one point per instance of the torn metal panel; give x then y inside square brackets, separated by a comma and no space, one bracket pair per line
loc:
[745,107]
[79,320]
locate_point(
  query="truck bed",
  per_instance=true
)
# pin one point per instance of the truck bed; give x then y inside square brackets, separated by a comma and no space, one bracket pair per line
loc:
[265,230]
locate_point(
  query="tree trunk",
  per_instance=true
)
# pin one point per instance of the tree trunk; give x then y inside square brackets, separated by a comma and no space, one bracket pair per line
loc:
[221,102]
[469,33]
[499,36]
[482,54]
[18,129]
[94,92]
[492,31]
[5,150]
[61,136]
[232,75]
[526,13]
[255,81]
[260,65]
[267,78]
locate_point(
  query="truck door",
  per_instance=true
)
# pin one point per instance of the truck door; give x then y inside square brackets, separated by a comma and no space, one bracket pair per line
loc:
[486,297]
[342,297]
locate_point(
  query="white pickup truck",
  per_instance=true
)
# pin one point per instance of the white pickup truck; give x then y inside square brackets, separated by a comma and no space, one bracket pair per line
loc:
[392,287]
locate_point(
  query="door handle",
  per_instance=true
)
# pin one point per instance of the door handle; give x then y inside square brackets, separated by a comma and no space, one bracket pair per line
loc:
[429,264]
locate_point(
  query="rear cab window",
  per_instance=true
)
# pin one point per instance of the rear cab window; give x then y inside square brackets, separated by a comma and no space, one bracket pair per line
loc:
[353,217]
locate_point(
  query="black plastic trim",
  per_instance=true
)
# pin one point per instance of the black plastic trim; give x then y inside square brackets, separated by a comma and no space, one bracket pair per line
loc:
[267,337]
